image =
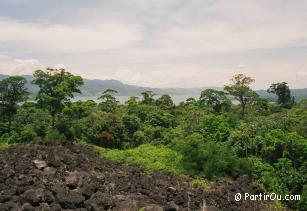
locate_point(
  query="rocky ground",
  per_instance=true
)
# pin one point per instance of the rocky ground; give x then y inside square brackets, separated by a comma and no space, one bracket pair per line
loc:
[73,177]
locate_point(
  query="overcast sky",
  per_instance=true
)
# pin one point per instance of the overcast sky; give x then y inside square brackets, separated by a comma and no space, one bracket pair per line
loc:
[158,43]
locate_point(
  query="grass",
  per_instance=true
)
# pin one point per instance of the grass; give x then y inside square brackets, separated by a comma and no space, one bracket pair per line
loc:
[4,145]
[152,158]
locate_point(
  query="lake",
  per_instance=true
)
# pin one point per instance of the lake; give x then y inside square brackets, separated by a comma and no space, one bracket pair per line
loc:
[122,99]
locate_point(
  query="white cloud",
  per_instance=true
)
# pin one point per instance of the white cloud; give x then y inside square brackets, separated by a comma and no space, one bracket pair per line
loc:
[301,73]
[60,66]
[241,65]
[165,43]
[13,66]
[63,38]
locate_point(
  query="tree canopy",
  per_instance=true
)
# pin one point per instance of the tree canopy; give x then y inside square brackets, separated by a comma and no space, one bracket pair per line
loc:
[12,92]
[241,91]
[283,93]
[56,87]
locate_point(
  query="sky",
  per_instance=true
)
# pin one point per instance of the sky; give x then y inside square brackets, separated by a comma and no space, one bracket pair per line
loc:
[158,43]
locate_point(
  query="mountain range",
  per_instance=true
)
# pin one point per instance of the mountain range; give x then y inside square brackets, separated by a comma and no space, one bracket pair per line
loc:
[94,88]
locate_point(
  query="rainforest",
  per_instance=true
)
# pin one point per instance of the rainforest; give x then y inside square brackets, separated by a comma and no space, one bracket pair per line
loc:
[198,147]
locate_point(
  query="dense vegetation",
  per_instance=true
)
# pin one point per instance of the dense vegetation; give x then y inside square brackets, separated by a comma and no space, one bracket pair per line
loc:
[208,137]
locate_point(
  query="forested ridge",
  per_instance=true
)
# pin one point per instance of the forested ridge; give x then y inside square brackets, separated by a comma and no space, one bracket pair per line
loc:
[207,139]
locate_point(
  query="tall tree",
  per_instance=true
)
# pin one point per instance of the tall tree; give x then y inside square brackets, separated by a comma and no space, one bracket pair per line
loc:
[240,89]
[56,87]
[147,97]
[165,101]
[109,102]
[12,92]
[215,99]
[283,93]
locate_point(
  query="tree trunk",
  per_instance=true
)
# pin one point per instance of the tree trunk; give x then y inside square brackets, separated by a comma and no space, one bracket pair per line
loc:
[53,120]
[243,109]
[10,122]
[242,106]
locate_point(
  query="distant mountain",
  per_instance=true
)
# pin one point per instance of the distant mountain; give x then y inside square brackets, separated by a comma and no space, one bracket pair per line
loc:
[298,94]
[96,87]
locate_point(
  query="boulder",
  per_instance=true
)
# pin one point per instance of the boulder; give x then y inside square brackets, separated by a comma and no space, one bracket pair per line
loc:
[70,199]
[33,196]
[71,179]
[39,164]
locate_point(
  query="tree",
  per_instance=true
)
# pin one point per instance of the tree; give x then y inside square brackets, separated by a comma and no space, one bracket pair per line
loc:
[241,91]
[132,101]
[147,97]
[190,101]
[12,92]
[165,101]
[215,99]
[109,102]
[79,109]
[283,93]
[260,105]
[56,87]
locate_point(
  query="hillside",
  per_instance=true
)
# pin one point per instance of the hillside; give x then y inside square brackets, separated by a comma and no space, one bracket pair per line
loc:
[73,177]
[96,87]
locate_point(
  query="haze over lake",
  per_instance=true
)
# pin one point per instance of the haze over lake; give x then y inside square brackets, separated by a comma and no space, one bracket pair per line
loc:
[122,99]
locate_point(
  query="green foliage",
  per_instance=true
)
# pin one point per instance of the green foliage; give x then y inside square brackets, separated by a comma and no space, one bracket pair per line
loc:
[247,139]
[260,106]
[159,118]
[147,97]
[207,139]
[302,204]
[4,140]
[281,178]
[103,129]
[213,128]
[79,109]
[109,102]
[53,135]
[278,144]
[215,99]
[210,159]
[165,102]
[241,91]
[28,134]
[12,92]
[153,158]
[201,183]
[56,87]
[131,123]
[283,93]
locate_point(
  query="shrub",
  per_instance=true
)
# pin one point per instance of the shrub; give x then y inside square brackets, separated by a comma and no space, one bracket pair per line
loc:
[210,159]
[214,128]
[28,134]
[53,135]
[281,178]
[4,140]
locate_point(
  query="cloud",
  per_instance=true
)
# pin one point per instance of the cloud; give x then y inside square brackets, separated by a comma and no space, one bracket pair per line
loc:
[13,66]
[63,38]
[301,73]
[60,66]
[162,43]
[241,65]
